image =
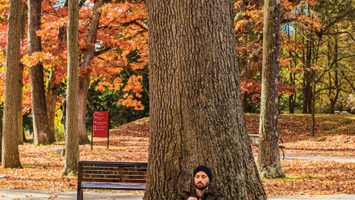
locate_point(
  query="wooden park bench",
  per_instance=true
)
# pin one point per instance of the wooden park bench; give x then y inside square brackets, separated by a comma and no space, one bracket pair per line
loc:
[111,176]
[255,142]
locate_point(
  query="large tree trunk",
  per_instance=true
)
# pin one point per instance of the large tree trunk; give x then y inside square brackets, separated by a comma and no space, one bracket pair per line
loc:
[39,106]
[13,84]
[196,114]
[71,121]
[84,79]
[269,165]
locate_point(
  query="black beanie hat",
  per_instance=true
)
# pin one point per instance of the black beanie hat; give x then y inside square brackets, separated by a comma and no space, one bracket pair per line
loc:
[204,169]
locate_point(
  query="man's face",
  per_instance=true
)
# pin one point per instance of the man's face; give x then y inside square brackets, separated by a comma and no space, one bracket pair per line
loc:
[201,180]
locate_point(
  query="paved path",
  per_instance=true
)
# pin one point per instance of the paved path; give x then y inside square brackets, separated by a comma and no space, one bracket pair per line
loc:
[41,194]
[38,194]
[316,197]
[318,156]
[113,195]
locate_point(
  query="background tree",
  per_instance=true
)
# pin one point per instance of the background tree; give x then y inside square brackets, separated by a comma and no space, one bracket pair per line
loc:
[19,111]
[39,106]
[269,165]
[72,133]
[196,115]
[120,33]
[13,84]
[88,54]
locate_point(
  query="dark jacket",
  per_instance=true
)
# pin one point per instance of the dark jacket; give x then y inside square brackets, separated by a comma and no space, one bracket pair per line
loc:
[209,194]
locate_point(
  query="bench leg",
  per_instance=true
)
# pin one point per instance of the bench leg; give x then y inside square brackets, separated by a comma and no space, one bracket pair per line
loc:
[79,194]
[283,154]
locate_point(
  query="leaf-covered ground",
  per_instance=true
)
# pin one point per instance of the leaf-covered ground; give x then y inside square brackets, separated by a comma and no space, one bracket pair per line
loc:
[335,136]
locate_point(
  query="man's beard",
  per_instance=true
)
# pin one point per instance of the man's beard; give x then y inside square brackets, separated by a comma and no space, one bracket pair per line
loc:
[203,187]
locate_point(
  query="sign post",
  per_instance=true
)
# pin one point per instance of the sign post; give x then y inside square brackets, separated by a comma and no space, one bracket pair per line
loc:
[100,125]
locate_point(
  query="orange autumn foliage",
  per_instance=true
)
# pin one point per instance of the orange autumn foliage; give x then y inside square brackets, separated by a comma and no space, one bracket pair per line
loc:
[122,29]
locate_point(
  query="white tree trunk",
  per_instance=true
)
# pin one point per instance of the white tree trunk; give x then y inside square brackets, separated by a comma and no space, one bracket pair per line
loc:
[269,165]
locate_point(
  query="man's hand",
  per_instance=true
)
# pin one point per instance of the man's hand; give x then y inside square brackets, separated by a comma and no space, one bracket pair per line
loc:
[191,198]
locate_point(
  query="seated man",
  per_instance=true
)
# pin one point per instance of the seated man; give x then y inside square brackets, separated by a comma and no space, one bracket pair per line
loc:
[203,189]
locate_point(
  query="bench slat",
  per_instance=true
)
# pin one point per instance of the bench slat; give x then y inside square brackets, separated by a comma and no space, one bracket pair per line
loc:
[113,186]
[103,173]
[115,180]
[254,138]
[118,178]
[115,169]
[111,175]
[87,162]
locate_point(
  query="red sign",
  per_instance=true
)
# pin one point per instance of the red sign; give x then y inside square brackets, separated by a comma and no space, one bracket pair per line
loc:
[100,123]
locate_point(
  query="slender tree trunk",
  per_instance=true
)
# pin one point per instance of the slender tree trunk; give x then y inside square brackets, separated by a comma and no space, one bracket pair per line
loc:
[20,130]
[292,97]
[84,83]
[332,106]
[39,106]
[268,162]
[196,114]
[84,79]
[313,114]
[311,96]
[53,86]
[307,90]
[51,100]
[19,112]
[71,121]
[245,102]
[13,84]
[334,98]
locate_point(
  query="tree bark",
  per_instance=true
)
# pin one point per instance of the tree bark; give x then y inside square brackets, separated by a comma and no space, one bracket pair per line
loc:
[39,106]
[268,162]
[20,130]
[196,114]
[51,100]
[307,79]
[71,123]
[313,114]
[19,112]
[84,83]
[337,86]
[13,84]
[292,97]
[84,79]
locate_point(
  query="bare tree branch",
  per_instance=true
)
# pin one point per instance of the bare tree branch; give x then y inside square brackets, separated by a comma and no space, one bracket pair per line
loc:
[337,19]
[346,78]
[338,33]
[102,50]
